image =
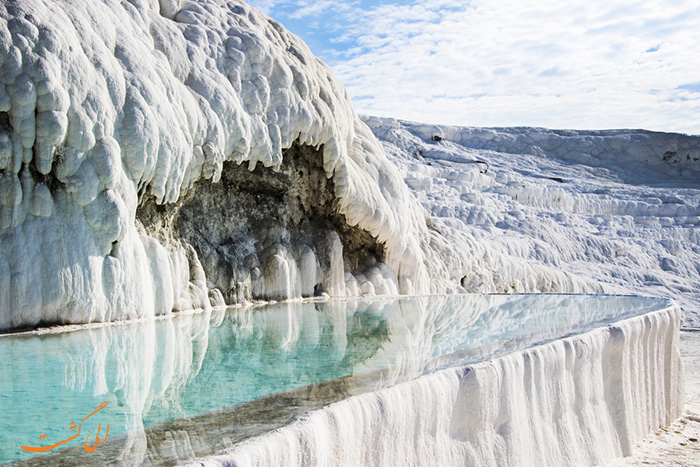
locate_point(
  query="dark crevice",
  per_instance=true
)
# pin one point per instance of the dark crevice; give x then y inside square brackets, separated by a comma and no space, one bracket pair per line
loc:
[236,224]
[49,179]
[5,123]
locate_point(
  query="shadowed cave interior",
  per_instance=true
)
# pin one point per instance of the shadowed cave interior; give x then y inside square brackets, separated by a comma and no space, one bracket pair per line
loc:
[267,235]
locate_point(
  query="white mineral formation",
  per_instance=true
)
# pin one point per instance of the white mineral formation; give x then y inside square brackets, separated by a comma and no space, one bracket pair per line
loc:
[583,400]
[620,207]
[122,125]
[172,155]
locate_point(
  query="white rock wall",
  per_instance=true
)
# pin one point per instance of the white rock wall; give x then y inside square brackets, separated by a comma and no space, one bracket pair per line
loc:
[107,106]
[618,207]
[103,103]
[582,400]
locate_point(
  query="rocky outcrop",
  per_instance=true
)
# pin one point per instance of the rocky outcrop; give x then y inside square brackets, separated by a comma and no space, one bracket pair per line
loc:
[159,156]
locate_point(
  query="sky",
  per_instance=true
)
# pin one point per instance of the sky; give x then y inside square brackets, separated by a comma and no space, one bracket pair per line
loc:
[575,64]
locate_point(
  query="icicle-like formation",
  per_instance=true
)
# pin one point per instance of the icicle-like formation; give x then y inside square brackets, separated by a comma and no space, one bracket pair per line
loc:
[104,105]
[171,155]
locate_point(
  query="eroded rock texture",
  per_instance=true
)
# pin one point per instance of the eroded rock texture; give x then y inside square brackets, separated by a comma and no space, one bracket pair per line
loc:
[122,128]
[272,235]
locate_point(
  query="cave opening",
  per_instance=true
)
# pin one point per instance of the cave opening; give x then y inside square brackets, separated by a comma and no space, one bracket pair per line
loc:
[253,228]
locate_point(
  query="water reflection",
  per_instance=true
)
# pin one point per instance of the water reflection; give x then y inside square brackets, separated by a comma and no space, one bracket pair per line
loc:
[196,383]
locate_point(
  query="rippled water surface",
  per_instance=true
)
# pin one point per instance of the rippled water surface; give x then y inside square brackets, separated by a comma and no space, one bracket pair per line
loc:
[192,384]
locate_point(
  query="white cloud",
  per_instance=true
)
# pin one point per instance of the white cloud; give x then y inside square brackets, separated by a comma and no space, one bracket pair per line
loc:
[575,64]
[266,6]
[311,9]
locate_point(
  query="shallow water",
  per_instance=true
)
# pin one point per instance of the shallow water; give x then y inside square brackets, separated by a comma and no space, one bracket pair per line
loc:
[192,384]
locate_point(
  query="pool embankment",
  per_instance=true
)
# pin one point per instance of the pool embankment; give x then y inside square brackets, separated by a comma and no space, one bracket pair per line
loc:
[581,400]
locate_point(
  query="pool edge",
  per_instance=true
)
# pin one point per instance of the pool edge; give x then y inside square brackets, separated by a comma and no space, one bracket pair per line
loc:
[581,400]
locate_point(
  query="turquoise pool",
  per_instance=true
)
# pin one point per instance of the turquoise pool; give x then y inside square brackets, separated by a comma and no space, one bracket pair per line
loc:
[191,384]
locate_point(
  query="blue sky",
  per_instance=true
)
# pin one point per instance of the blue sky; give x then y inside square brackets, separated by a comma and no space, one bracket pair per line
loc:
[585,64]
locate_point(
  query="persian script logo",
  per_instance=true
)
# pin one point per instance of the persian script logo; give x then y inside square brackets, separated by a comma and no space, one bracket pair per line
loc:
[72,426]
